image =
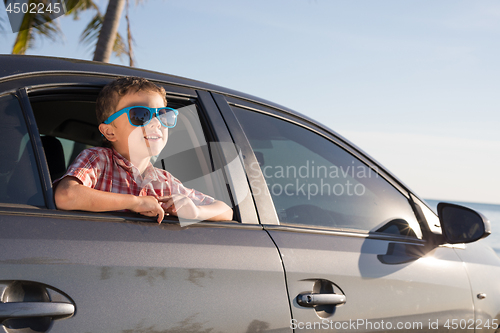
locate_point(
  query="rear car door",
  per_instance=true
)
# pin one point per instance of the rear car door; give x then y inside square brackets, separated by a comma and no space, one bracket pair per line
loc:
[356,255]
[118,272]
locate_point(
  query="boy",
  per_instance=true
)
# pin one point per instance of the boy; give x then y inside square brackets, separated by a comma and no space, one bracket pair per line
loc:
[134,121]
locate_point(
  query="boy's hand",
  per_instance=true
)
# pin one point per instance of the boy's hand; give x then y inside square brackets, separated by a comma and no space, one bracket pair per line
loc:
[71,194]
[179,205]
[148,206]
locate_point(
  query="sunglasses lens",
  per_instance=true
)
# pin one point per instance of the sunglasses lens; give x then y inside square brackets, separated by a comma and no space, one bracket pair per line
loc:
[139,116]
[167,117]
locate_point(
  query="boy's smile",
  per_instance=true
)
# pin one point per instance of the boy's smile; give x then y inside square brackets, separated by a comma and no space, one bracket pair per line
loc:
[138,144]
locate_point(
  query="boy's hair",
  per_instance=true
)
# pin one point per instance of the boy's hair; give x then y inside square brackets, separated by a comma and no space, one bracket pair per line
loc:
[112,92]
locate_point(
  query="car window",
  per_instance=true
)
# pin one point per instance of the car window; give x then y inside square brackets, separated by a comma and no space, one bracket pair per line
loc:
[69,125]
[315,182]
[19,178]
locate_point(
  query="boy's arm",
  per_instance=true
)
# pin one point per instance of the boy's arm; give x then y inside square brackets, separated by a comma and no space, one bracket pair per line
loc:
[71,194]
[208,212]
[182,206]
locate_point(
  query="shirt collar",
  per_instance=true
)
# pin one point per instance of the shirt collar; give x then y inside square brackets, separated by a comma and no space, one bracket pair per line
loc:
[122,161]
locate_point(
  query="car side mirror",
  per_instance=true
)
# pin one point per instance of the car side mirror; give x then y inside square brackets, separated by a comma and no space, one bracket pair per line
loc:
[461,224]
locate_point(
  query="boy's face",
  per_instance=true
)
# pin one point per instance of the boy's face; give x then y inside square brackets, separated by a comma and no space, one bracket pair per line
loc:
[137,143]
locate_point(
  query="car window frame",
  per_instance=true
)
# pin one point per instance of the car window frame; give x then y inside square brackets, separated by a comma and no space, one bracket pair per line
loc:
[213,127]
[29,139]
[220,133]
[260,193]
[36,143]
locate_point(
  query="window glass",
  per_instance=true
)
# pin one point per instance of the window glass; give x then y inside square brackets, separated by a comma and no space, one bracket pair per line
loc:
[19,179]
[314,182]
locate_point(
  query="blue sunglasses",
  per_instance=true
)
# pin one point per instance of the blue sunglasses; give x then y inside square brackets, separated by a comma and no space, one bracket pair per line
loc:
[139,116]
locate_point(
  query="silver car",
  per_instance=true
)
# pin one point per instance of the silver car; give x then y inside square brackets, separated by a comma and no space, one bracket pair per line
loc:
[323,238]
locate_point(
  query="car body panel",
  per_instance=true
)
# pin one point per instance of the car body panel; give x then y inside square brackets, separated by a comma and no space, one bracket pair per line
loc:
[152,277]
[396,287]
[481,263]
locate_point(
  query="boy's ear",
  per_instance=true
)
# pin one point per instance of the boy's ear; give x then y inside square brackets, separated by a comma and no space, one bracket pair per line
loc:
[108,131]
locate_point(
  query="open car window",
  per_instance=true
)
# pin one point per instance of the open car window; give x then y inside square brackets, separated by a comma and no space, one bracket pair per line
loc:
[67,125]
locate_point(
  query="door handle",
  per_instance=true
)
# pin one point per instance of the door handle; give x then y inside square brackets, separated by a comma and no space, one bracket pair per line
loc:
[14,310]
[311,299]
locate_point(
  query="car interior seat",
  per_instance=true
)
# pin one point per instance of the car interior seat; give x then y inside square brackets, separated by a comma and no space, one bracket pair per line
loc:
[54,154]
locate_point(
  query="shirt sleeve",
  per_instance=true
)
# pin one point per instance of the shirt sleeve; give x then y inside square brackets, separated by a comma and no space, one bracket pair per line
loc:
[198,198]
[87,168]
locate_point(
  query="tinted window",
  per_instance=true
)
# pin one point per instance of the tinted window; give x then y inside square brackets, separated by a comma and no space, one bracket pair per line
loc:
[315,182]
[19,179]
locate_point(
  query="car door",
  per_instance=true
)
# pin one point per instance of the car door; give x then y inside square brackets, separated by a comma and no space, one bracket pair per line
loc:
[66,271]
[355,254]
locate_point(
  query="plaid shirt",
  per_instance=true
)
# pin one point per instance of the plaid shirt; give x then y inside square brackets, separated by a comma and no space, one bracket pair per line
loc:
[106,170]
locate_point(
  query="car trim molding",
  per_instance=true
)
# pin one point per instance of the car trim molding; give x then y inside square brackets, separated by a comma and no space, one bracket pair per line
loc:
[87,73]
[344,233]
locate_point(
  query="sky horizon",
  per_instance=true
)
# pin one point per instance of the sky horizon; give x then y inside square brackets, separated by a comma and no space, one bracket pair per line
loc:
[415,85]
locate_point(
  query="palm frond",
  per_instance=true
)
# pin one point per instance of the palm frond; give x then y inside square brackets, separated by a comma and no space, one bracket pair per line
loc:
[44,26]
[119,48]
[35,24]
[91,32]
[76,7]
[23,41]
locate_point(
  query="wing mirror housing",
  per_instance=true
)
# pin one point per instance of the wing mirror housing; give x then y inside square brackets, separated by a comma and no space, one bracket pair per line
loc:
[461,224]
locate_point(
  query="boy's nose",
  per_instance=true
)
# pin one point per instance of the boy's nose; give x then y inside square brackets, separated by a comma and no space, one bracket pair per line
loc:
[154,122]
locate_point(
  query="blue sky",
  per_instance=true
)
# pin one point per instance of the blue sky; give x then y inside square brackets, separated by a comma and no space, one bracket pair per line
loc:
[413,83]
